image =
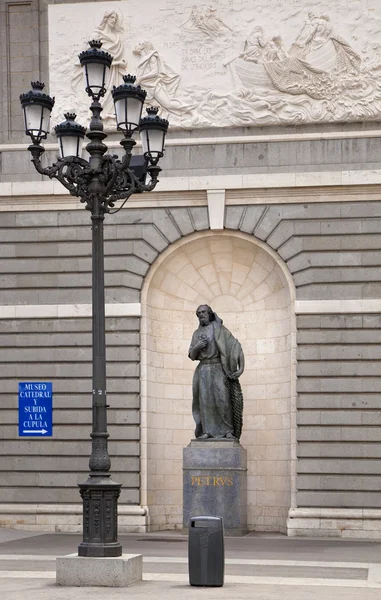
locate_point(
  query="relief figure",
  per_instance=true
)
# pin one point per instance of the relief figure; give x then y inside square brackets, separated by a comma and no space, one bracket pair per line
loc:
[248,64]
[266,64]
[317,38]
[312,66]
[159,79]
[293,75]
[205,20]
[111,33]
[254,46]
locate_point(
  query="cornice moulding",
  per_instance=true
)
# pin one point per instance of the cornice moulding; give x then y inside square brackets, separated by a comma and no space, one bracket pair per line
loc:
[271,188]
[226,139]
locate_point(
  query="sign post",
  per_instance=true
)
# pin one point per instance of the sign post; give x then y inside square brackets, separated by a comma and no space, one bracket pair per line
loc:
[35,409]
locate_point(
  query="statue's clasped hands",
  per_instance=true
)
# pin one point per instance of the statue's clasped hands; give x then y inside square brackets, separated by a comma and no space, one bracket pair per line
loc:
[202,343]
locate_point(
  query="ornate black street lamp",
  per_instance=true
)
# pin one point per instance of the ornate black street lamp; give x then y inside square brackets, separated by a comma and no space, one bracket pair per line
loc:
[99,183]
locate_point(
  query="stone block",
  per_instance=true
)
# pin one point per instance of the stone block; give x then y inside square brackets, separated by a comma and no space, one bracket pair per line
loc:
[323,152]
[112,280]
[308,352]
[182,220]
[251,218]
[331,291]
[177,158]
[166,226]
[282,233]
[361,434]
[371,321]
[332,499]
[318,369]
[136,216]
[254,156]
[152,236]
[234,216]
[269,221]
[371,241]
[215,483]
[305,417]
[280,154]
[129,263]
[200,217]
[140,249]
[318,434]
[291,247]
[352,450]
[73,570]
[371,290]
[342,418]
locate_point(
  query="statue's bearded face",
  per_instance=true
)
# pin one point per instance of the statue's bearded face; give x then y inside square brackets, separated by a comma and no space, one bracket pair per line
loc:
[203,315]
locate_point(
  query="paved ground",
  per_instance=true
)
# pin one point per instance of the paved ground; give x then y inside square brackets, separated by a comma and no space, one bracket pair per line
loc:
[258,567]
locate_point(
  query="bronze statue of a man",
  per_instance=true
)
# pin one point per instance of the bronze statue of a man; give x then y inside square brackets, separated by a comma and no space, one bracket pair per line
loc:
[217,397]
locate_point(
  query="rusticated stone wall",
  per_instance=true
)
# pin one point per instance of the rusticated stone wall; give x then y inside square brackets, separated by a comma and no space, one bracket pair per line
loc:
[331,251]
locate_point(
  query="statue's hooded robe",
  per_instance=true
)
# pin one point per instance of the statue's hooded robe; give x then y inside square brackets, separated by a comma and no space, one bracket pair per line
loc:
[217,401]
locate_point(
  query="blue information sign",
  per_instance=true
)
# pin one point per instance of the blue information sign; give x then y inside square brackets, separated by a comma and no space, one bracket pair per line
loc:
[35,409]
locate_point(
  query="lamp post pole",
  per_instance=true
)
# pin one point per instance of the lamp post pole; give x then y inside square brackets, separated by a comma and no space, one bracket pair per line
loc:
[99,493]
[99,183]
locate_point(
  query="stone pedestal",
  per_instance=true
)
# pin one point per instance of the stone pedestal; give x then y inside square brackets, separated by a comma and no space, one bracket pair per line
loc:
[122,571]
[214,482]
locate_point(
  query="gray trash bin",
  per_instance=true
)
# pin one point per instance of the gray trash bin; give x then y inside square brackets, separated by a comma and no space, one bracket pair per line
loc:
[206,554]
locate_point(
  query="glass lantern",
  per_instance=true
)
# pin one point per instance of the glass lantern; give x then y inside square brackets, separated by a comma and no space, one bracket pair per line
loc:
[96,65]
[70,136]
[153,130]
[128,102]
[37,107]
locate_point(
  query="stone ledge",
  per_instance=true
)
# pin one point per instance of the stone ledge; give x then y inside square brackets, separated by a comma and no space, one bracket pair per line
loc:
[73,570]
[343,523]
[292,179]
[66,311]
[321,307]
[228,139]
[67,518]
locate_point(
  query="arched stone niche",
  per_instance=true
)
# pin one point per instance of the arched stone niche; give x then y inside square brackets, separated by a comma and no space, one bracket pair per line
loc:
[247,285]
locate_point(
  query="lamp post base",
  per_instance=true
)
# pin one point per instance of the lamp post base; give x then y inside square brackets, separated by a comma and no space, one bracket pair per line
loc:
[100,550]
[100,517]
[73,570]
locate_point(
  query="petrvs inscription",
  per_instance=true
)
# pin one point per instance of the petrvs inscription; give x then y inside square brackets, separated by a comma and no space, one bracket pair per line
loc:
[211,480]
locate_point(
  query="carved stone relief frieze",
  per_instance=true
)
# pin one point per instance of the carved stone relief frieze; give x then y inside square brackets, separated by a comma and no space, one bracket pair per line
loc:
[227,63]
